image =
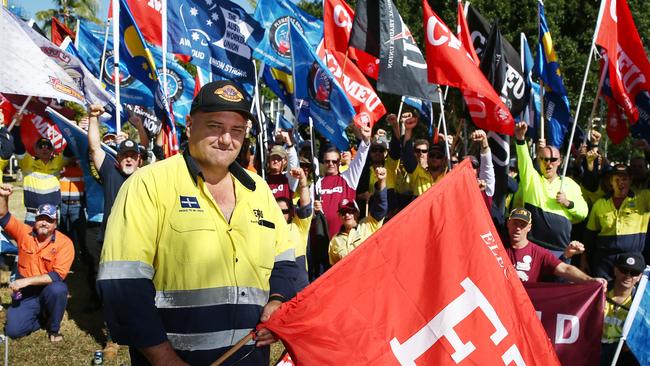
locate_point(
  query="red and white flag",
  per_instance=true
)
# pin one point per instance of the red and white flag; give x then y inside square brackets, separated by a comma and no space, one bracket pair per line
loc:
[629,68]
[34,127]
[360,93]
[450,64]
[617,128]
[337,20]
[421,301]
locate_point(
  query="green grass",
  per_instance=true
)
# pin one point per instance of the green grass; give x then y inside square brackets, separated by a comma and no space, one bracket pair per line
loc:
[83,330]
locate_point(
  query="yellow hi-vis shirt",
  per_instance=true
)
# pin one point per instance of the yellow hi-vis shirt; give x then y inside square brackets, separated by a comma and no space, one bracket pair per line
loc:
[421,180]
[343,243]
[165,227]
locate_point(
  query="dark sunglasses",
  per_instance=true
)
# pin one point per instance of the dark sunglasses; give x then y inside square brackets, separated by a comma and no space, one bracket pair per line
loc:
[331,161]
[377,150]
[421,151]
[629,272]
[305,166]
[552,160]
[286,211]
[345,212]
[44,146]
[436,156]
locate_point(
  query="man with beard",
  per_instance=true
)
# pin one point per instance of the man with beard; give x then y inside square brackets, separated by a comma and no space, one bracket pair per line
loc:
[44,259]
[553,210]
[617,223]
[113,173]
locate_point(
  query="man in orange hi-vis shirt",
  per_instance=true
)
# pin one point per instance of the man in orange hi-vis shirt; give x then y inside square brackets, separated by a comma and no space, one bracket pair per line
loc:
[44,259]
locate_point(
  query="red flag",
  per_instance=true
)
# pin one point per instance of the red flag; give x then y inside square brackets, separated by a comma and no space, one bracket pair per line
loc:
[34,127]
[629,68]
[58,32]
[572,315]
[450,64]
[7,110]
[360,93]
[617,128]
[337,18]
[446,295]
[464,34]
[147,14]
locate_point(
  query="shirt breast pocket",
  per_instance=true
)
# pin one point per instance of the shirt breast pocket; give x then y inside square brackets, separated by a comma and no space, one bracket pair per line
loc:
[193,241]
[607,220]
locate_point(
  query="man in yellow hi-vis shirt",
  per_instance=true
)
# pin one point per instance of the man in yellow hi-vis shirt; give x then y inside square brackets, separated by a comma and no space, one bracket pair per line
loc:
[196,252]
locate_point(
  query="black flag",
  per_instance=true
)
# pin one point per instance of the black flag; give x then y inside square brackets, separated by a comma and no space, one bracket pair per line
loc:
[513,91]
[378,30]
[495,68]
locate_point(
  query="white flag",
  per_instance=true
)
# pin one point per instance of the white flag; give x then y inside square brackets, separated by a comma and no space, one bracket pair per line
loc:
[26,70]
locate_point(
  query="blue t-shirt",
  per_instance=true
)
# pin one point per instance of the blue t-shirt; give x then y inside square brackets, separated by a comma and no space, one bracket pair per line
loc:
[112,180]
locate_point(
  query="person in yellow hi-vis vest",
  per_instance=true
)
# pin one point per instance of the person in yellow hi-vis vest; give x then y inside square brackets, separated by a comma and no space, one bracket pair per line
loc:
[196,251]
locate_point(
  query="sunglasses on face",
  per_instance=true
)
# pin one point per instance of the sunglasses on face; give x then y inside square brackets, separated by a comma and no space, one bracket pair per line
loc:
[286,211]
[629,272]
[346,212]
[376,150]
[331,161]
[305,166]
[547,160]
[420,151]
[436,156]
[44,146]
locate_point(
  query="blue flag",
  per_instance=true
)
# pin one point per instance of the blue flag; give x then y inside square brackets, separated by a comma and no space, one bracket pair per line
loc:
[324,98]
[218,34]
[140,63]
[547,67]
[284,123]
[422,106]
[532,112]
[638,337]
[180,84]
[78,143]
[90,43]
[275,16]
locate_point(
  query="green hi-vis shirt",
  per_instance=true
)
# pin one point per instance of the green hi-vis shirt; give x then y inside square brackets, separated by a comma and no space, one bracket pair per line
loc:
[552,222]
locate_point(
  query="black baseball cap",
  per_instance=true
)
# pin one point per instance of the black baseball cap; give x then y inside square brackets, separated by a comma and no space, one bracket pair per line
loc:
[44,141]
[126,146]
[222,96]
[630,261]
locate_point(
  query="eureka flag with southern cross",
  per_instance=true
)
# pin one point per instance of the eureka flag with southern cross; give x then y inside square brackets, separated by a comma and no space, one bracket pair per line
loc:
[218,34]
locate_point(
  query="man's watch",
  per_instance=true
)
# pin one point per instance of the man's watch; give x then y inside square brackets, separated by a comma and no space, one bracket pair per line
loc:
[279,298]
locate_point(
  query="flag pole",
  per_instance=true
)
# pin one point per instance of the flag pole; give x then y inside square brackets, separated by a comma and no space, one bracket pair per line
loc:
[399,115]
[76,28]
[640,290]
[542,122]
[259,118]
[116,61]
[103,60]
[14,120]
[163,29]
[582,92]
[601,82]
[444,126]
[242,342]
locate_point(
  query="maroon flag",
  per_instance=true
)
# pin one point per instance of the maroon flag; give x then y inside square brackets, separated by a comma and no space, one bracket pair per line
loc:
[629,68]
[572,315]
[59,31]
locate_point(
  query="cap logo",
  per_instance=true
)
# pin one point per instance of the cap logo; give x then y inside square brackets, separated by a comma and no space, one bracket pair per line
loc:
[128,143]
[630,261]
[229,93]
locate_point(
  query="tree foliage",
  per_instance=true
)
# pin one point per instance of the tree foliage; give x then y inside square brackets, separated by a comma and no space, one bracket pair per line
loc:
[69,11]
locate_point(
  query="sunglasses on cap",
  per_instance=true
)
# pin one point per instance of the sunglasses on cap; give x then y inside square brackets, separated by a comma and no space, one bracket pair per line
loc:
[421,151]
[629,272]
[327,161]
[546,160]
